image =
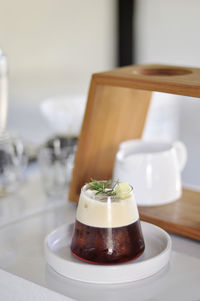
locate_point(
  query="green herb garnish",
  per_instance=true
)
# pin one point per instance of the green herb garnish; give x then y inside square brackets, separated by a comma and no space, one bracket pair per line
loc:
[103,187]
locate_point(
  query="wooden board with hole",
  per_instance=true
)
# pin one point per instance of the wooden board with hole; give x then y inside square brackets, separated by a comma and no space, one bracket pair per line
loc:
[116,110]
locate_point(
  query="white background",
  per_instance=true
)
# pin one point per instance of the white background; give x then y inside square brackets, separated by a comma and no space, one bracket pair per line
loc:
[53,46]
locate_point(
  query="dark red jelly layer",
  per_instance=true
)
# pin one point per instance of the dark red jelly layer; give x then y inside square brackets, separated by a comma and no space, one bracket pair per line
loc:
[107,245]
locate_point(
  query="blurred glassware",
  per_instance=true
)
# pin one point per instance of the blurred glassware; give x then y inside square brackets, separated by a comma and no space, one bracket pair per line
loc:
[3,91]
[64,113]
[13,161]
[61,141]
[56,161]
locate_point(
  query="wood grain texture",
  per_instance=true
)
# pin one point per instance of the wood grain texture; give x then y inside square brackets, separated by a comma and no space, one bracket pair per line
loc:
[113,114]
[180,217]
[161,78]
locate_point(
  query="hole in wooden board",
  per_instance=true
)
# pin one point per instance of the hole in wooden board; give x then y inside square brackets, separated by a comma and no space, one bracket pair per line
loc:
[162,71]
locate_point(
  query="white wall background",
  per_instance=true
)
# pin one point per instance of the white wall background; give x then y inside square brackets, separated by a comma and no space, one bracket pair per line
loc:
[53,46]
[168,32]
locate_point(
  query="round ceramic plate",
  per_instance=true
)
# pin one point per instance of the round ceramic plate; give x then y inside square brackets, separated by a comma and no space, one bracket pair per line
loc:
[155,257]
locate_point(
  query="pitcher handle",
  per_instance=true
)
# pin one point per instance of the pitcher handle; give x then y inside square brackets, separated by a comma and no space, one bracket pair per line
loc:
[181,152]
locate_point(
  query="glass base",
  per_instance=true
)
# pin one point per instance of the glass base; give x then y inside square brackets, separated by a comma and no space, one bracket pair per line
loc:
[108,263]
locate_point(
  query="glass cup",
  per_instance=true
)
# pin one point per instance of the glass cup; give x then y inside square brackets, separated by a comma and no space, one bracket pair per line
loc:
[13,161]
[56,165]
[107,228]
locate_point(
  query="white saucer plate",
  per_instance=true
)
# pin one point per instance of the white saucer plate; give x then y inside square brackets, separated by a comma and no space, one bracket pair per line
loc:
[155,257]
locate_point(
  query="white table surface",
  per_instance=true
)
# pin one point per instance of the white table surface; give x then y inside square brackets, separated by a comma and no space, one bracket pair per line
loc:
[25,220]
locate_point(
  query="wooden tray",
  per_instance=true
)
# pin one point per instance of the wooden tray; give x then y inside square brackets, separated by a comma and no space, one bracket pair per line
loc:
[117,106]
[180,217]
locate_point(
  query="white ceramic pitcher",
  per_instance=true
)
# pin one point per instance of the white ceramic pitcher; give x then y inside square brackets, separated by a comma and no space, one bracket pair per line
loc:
[152,168]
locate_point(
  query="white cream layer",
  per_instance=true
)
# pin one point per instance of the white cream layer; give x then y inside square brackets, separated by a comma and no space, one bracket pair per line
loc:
[110,214]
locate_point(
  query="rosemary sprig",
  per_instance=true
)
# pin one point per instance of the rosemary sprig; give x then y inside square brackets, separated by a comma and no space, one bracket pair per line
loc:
[101,187]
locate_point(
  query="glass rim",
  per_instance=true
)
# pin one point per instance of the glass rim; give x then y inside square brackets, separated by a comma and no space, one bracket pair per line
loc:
[84,190]
[50,149]
[5,137]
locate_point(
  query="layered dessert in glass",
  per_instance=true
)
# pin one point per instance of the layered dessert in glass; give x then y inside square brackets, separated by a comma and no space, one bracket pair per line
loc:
[107,228]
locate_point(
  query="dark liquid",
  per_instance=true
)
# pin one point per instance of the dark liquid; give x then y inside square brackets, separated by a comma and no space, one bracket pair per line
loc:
[107,245]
